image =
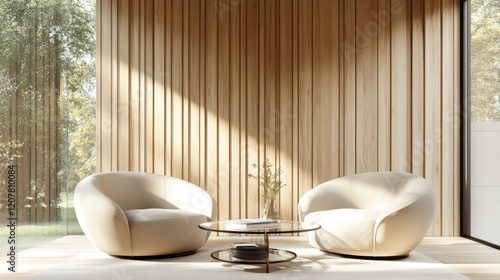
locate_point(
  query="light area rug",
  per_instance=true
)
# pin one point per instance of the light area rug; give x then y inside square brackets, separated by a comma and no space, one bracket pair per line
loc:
[310,264]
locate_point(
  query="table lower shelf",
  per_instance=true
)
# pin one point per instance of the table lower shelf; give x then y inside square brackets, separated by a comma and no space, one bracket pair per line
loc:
[275,256]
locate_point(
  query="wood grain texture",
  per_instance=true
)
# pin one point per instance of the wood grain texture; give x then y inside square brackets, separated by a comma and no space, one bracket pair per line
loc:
[124,107]
[400,86]
[418,101]
[104,96]
[349,52]
[252,105]
[383,19]
[158,88]
[433,94]
[447,118]
[114,87]
[176,76]
[136,98]
[325,90]
[234,163]
[366,87]
[457,113]
[148,73]
[202,90]
[286,103]
[305,109]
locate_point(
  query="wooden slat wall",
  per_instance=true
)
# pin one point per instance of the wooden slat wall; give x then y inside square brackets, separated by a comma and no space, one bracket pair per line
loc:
[201,90]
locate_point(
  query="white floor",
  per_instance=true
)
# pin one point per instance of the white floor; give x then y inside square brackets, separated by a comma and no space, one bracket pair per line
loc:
[469,258]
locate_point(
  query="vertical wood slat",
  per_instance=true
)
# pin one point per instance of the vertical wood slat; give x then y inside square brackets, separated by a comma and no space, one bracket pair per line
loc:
[148,71]
[211,57]
[134,146]
[447,65]
[123,108]
[177,89]
[341,86]
[322,88]
[286,105]
[366,88]
[252,105]
[325,94]
[194,92]
[113,164]
[349,52]
[456,117]
[305,109]
[336,91]
[433,103]
[186,94]
[261,96]
[234,114]
[142,89]
[383,18]
[203,115]
[223,114]
[167,74]
[99,81]
[243,112]
[295,107]
[104,157]
[418,141]
[400,91]
[159,80]
[269,99]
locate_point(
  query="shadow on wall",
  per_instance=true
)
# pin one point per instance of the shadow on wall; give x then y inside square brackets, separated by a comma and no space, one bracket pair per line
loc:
[201,90]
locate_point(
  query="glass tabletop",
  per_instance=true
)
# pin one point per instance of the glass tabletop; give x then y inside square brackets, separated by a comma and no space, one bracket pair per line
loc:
[281,227]
[275,256]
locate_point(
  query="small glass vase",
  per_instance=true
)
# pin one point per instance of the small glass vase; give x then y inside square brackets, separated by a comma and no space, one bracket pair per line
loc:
[270,211]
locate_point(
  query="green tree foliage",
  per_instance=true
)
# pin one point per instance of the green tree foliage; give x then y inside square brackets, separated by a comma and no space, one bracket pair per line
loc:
[47,96]
[81,134]
[485,60]
[9,149]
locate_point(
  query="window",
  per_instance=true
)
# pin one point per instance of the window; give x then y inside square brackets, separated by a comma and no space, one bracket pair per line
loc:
[47,111]
[484,120]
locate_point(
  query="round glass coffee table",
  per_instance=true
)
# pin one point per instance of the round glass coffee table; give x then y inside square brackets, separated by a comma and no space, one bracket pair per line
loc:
[271,255]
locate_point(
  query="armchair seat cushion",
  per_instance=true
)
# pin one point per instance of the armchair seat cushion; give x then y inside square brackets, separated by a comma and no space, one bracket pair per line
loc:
[155,231]
[158,215]
[350,230]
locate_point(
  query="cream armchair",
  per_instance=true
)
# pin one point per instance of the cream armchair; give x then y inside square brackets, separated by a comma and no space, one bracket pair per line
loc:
[381,214]
[140,214]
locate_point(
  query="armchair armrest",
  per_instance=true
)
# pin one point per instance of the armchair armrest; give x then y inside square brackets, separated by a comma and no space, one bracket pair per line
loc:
[411,209]
[188,196]
[101,219]
[333,194]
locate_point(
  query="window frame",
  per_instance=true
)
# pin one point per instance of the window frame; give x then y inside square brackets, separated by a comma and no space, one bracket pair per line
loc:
[465,195]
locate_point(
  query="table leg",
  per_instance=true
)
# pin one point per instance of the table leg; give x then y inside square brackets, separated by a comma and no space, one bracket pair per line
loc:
[266,242]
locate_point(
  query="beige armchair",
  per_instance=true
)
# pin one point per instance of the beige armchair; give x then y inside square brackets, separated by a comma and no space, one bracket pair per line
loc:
[380,214]
[139,214]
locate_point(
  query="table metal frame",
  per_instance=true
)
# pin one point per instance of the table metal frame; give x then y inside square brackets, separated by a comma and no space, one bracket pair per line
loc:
[286,227]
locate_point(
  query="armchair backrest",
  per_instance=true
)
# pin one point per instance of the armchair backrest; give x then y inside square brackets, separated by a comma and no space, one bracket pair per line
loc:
[138,190]
[374,190]
[361,191]
[133,190]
